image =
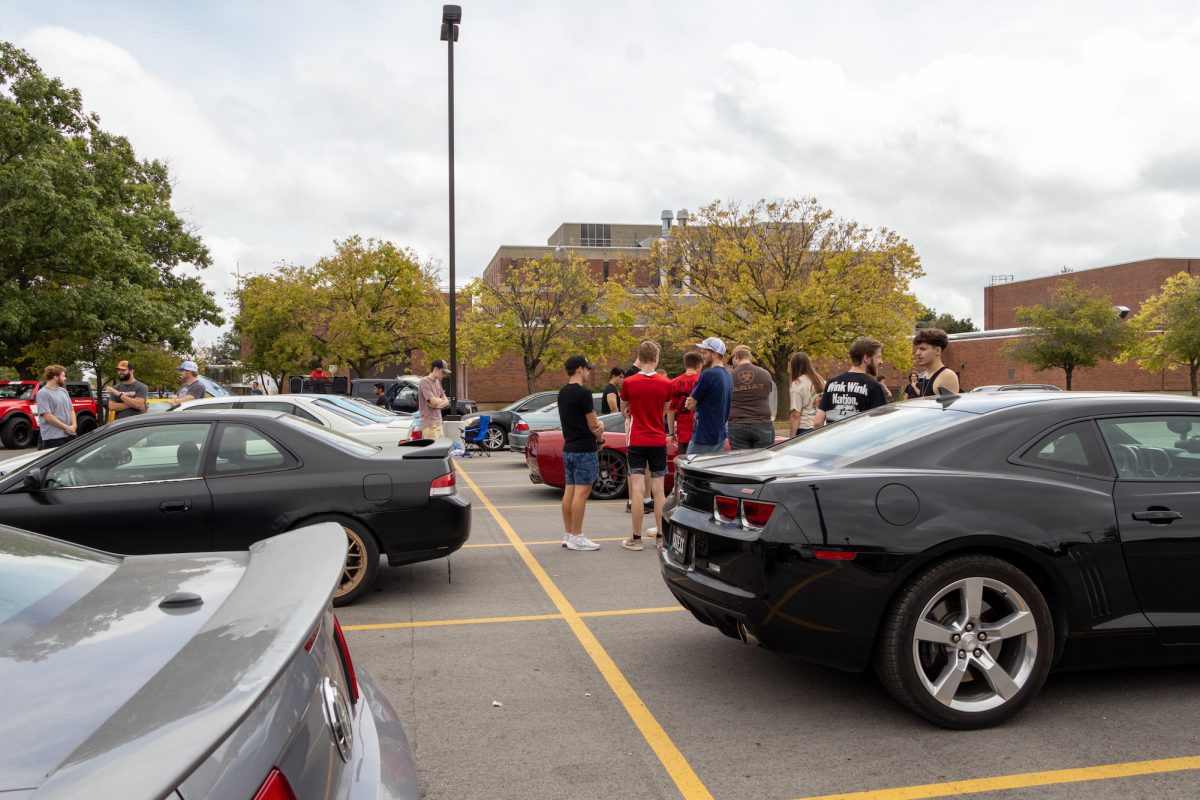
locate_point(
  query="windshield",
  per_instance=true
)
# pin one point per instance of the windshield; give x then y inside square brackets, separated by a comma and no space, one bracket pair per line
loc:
[373,413]
[15,391]
[338,440]
[213,388]
[353,417]
[40,577]
[866,434]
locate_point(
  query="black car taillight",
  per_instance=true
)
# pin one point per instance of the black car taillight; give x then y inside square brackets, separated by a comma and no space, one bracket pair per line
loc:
[275,787]
[443,486]
[725,509]
[347,664]
[755,513]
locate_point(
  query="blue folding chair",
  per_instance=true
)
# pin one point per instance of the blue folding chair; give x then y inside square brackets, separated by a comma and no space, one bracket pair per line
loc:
[473,438]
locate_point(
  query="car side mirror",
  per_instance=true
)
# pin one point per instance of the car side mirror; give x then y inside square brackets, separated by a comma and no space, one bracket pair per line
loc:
[34,480]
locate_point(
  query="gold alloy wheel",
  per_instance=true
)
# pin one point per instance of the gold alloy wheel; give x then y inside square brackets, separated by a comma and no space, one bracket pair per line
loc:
[355,568]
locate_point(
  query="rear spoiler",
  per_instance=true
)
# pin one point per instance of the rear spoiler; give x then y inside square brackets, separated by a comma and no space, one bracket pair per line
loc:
[426,448]
[166,731]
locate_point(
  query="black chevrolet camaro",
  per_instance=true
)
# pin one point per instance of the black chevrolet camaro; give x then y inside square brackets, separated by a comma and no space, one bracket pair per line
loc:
[962,546]
[222,480]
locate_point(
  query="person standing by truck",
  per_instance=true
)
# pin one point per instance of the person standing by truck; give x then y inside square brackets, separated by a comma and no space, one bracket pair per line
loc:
[56,414]
[130,399]
[431,400]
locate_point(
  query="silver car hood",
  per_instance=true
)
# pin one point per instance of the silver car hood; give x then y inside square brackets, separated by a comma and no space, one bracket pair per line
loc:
[121,698]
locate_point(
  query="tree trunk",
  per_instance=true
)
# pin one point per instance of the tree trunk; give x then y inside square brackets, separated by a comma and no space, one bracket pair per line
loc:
[1069,371]
[783,399]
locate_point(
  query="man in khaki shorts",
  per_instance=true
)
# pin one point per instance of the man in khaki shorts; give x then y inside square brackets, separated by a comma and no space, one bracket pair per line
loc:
[431,399]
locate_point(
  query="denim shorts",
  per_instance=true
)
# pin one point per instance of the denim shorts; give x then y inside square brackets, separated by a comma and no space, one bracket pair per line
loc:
[582,469]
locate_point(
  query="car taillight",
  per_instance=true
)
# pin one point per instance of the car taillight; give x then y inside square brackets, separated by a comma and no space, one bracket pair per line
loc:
[275,787]
[416,433]
[312,638]
[522,426]
[443,486]
[725,509]
[347,664]
[756,513]
[835,555]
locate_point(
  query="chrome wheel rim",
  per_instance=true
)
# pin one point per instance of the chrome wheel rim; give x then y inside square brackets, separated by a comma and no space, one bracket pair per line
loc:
[494,439]
[356,563]
[612,476]
[975,644]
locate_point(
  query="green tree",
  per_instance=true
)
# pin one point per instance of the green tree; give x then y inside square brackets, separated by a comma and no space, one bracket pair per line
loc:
[1075,330]
[88,240]
[947,322]
[1168,327]
[274,315]
[375,304]
[547,309]
[780,277]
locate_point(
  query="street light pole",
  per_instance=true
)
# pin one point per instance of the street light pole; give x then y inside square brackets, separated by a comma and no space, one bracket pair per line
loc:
[451,17]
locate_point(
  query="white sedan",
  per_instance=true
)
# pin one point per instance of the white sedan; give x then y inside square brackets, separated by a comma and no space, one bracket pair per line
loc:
[341,414]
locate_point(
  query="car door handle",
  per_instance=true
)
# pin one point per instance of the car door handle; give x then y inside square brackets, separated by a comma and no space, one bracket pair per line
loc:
[170,506]
[1158,516]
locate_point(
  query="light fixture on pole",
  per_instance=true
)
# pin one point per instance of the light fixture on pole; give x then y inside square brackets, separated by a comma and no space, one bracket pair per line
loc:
[451,17]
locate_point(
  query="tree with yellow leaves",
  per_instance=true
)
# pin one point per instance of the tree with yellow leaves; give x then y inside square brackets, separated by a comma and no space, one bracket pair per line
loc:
[782,276]
[1168,325]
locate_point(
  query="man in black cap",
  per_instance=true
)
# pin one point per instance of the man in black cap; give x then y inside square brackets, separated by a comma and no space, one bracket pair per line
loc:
[581,432]
[431,400]
[130,399]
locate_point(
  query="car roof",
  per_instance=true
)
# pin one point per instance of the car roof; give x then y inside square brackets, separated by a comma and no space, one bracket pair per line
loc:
[1089,402]
[222,414]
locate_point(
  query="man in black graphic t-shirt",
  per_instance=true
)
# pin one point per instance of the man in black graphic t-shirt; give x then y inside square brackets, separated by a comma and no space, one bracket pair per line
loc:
[855,390]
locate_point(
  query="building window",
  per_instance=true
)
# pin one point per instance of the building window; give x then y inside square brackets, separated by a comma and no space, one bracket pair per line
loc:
[595,235]
[1012,374]
[605,270]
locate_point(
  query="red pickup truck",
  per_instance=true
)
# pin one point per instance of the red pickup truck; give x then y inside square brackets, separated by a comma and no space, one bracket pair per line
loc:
[18,421]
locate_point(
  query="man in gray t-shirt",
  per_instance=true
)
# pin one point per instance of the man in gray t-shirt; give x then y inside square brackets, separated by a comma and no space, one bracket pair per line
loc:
[190,387]
[129,400]
[56,414]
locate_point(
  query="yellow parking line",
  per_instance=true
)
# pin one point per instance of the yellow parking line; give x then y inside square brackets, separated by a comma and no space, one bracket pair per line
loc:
[526,485]
[547,541]
[434,623]
[681,772]
[1023,780]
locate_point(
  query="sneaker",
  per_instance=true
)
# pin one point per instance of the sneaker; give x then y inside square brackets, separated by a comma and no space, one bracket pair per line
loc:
[581,542]
[657,536]
[633,543]
[566,539]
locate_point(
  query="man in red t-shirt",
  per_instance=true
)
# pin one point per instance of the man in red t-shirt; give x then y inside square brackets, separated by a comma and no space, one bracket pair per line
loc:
[645,397]
[680,418]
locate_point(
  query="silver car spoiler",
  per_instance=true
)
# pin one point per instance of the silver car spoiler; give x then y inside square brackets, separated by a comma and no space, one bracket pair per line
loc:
[153,742]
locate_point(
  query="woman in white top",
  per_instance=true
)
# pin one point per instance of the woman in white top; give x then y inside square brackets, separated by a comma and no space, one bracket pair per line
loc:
[805,390]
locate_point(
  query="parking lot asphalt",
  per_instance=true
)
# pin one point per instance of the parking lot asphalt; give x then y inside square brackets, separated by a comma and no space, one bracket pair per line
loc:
[524,670]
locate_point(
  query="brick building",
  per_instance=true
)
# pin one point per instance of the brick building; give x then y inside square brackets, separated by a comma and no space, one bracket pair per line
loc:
[977,357]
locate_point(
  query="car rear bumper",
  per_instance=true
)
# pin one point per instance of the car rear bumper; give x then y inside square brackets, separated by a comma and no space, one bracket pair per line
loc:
[383,767]
[423,534]
[517,441]
[798,605]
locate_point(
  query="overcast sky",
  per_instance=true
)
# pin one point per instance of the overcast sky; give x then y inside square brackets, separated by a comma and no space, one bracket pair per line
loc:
[1008,138]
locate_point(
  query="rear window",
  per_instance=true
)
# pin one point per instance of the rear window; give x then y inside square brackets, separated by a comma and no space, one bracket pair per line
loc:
[40,578]
[866,434]
[375,413]
[338,440]
[15,391]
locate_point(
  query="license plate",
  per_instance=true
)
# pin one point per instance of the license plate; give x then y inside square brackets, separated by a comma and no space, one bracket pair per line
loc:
[679,543]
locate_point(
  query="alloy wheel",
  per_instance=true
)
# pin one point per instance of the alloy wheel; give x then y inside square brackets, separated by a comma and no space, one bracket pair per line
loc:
[614,474]
[494,439]
[355,568]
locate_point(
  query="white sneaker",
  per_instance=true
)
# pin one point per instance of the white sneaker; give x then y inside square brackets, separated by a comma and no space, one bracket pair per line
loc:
[566,539]
[581,542]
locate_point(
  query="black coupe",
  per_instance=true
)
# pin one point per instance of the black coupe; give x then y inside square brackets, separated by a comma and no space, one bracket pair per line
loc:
[964,546]
[222,480]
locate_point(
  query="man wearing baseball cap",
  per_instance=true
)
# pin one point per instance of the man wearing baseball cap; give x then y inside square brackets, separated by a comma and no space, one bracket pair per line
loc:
[582,431]
[711,399]
[431,400]
[190,387]
[130,399]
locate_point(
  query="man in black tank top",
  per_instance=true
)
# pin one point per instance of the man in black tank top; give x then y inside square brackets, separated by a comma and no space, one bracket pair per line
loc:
[928,344]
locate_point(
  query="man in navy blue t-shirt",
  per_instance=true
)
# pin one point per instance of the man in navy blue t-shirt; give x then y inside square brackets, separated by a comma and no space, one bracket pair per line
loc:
[710,399]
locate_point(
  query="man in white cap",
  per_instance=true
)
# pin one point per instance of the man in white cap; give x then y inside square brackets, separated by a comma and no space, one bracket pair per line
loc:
[190,387]
[710,399]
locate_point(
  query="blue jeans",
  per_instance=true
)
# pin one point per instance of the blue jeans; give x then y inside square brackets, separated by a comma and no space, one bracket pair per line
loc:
[695,447]
[749,435]
[582,469]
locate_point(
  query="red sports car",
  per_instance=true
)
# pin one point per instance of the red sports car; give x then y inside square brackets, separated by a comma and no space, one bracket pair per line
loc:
[544,455]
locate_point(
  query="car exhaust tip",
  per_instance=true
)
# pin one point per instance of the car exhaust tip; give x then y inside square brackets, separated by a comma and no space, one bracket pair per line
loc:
[746,636]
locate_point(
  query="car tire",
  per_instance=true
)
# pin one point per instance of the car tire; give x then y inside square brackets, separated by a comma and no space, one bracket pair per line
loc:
[967,643]
[17,433]
[496,438]
[614,476]
[362,559]
[86,423]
